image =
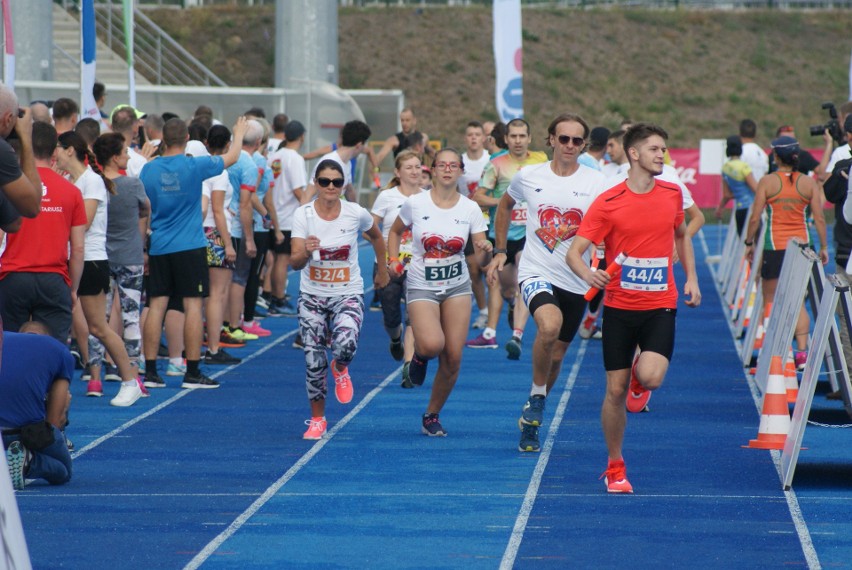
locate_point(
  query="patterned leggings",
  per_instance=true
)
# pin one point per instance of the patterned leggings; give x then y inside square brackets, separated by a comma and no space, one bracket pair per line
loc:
[343,315]
[128,280]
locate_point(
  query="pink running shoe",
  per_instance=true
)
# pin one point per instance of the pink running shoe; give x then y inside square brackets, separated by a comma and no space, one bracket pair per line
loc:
[342,384]
[615,477]
[95,388]
[637,394]
[256,329]
[145,392]
[482,342]
[316,428]
[800,358]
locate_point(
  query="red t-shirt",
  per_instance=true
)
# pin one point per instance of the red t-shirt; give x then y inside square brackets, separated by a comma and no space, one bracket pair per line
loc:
[642,226]
[41,245]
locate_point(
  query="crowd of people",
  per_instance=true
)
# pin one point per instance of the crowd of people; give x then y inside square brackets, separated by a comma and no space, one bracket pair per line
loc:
[156,226]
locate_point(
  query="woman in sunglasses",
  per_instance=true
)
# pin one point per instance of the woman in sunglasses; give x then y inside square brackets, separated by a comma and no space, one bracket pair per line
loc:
[438,284]
[331,300]
[405,183]
[72,156]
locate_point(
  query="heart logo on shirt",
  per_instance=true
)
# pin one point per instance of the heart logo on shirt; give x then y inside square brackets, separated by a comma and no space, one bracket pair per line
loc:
[557,225]
[334,253]
[439,247]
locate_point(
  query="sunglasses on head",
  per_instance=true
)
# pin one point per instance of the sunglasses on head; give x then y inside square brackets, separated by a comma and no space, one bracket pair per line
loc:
[325,182]
[576,141]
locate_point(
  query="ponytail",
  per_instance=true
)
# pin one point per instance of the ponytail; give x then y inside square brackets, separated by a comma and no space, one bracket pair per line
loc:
[393,183]
[93,163]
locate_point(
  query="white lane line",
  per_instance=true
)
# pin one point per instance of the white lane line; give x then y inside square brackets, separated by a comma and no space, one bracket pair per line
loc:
[175,398]
[241,520]
[517,536]
[793,506]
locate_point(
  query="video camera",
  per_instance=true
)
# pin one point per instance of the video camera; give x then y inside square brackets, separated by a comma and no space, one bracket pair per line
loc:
[832,125]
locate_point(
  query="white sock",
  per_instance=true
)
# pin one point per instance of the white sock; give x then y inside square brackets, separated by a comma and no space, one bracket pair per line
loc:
[489,333]
[176,361]
[538,390]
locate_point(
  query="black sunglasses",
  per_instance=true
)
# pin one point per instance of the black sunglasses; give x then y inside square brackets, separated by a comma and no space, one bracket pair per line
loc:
[576,141]
[324,182]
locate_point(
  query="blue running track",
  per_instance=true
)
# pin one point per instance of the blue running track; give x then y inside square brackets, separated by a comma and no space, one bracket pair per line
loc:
[222,479]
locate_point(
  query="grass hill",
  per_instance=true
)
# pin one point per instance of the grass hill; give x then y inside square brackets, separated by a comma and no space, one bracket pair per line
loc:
[697,73]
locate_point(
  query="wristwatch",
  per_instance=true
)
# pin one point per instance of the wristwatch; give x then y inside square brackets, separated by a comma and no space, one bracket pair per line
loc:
[497,250]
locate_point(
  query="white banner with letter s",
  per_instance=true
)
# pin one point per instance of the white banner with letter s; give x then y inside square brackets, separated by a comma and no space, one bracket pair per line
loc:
[507,59]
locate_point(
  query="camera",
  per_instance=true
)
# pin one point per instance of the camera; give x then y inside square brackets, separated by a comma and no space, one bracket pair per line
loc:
[832,125]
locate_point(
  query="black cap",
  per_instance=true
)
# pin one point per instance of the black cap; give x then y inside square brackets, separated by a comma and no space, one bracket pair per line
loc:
[293,131]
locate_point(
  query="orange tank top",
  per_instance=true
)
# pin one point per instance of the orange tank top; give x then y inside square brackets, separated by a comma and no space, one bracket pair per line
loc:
[786,213]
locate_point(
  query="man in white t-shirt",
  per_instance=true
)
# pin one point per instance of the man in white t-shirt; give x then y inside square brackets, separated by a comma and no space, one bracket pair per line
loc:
[279,122]
[475,158]
[558,194]
[288,170]
[125,121]
[353,139]
[752,154]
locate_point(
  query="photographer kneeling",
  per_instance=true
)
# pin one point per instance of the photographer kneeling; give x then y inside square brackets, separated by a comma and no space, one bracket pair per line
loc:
[34,400]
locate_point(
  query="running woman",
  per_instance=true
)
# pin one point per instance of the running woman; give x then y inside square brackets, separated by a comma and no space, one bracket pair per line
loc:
[786,195]
[405,183]
[557,194]
[438,284]
[643,218]
[331,300]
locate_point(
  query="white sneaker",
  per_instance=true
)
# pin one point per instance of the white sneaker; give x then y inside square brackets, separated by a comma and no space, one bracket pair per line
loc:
[127,395]
[480,321]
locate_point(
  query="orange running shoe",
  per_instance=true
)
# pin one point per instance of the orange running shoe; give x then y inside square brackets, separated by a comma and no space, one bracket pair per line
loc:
[342,383]
[615,477]
[637,394]
[316,428]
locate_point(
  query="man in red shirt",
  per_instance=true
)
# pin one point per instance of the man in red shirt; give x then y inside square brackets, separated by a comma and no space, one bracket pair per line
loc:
[38,281]
[643,218]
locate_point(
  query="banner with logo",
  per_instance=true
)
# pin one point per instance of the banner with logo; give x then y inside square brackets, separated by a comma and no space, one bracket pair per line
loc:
[507,59]
[88,43]
[9,48]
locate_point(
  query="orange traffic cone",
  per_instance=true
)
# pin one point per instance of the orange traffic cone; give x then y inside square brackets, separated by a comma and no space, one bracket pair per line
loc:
[791,381]
[775,417]
[761,327]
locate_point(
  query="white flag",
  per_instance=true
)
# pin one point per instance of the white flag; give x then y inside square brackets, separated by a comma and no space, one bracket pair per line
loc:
[507,59]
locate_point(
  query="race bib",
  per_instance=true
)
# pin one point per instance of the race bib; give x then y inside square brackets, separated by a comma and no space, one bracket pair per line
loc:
[329,274]
[519,214]
[444,272]
[532,287]
[645,274]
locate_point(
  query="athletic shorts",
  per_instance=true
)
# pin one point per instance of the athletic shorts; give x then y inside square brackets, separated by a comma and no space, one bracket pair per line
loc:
[243,265]
[537,292]
[513,247]
[216,250]
[438,297]
[181,274]
[282,248]
[770,266]
[624,330]
[95,278]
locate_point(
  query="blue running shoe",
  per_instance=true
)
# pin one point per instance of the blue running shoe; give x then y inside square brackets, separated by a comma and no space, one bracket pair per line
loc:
[533,411]
[513,349]
[529,439]
[432,427]
[417,369]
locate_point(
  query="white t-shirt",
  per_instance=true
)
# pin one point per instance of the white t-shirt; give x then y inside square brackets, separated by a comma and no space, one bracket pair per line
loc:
[439,236]
[469,180]
[669,174]
[272,145]
[347,169]
[93,188]
[840,153]
[288,170]
[387,206]
[755,157]
[337,273]
[555,207]
[196,148]
[220,183]
[135,163]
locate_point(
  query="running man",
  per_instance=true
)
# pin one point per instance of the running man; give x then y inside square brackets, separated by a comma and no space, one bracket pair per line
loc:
[643,218]
[557,195]
[495,180]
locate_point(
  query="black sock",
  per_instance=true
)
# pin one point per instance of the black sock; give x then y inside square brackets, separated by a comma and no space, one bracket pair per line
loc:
[151,367]
[192,367]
